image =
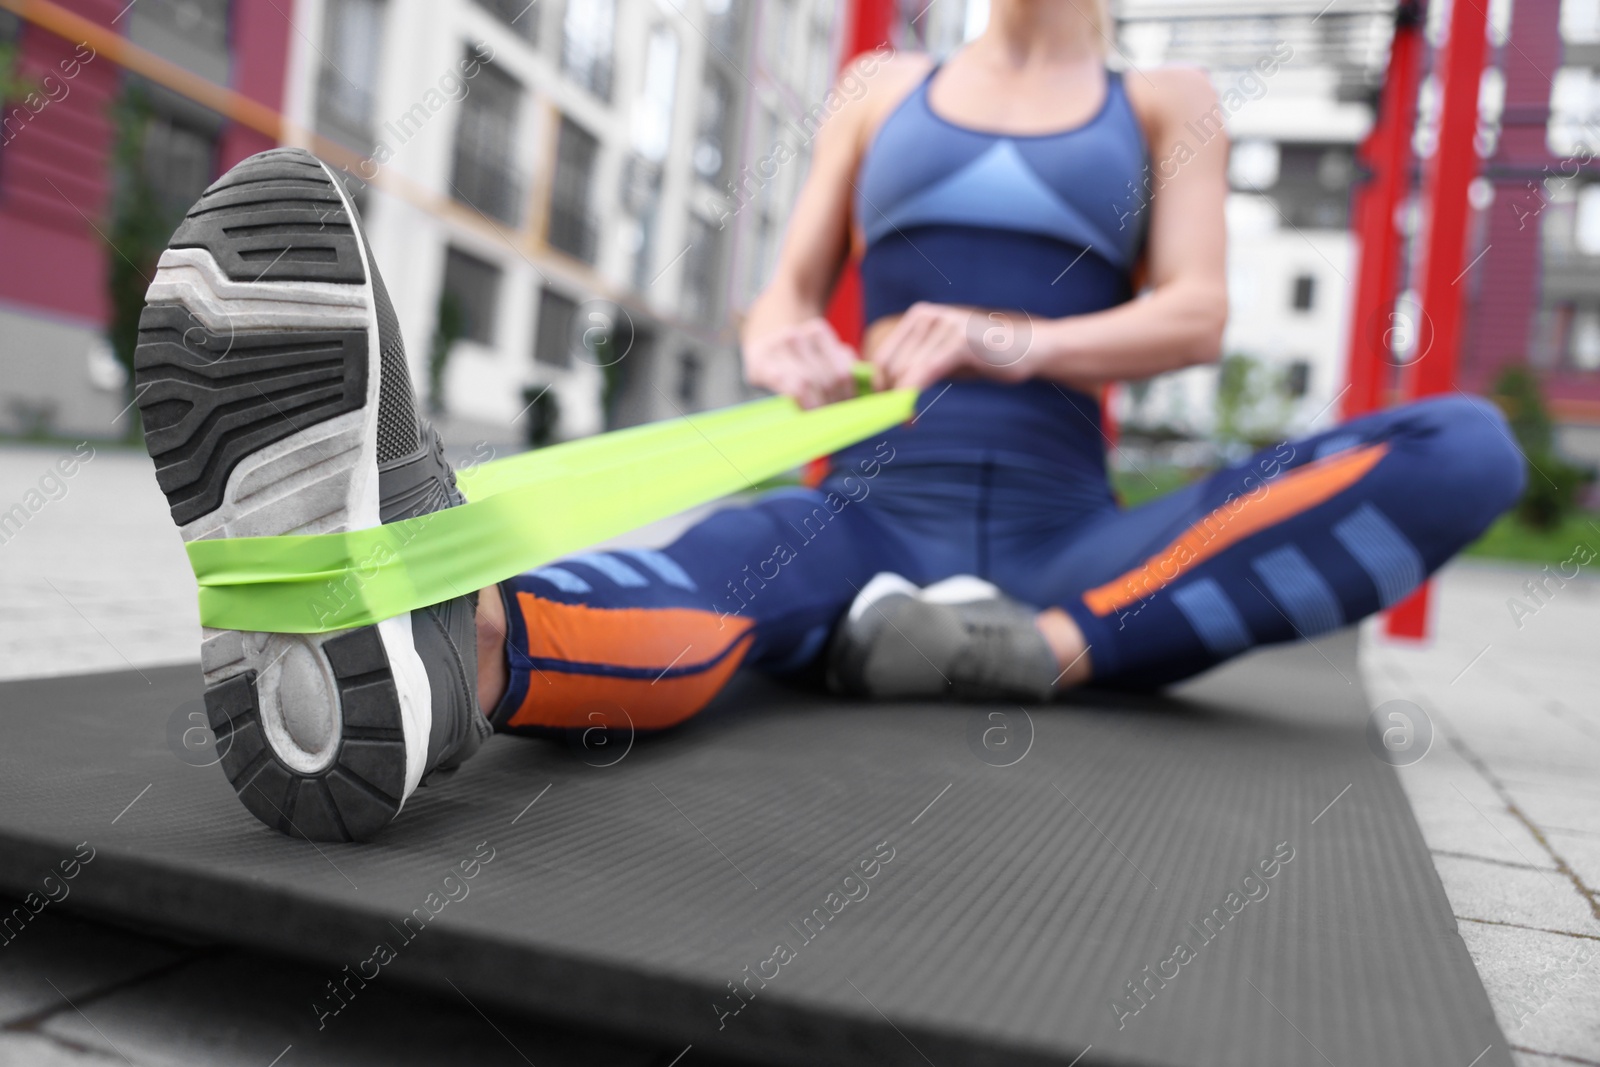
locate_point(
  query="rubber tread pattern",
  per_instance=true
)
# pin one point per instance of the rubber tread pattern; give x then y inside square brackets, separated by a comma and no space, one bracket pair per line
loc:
[360,792]
[208,400]
[276,218]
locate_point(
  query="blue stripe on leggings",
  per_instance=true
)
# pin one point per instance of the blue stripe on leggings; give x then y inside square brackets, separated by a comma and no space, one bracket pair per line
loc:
[1213,617]
[565,581]
[1299,590]
[613,568]
[1389,559]
[665,567]
[1337,443]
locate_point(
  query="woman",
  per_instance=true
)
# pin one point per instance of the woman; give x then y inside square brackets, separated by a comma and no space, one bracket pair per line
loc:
[1005,213]
[1003,205]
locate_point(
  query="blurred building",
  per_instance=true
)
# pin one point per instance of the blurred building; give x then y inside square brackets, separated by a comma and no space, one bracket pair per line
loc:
[1547,194]
[1295,91]
[70,106]
[570,199]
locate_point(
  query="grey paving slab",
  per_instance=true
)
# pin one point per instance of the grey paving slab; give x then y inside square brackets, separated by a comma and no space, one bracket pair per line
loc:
[1526,1058]
[1462,814]
[1581,852]
[1543,899]
[96,579]
[1545,987]
[32,1050]
[237,1009]
[1520,701]
[1552,804]
[51,956]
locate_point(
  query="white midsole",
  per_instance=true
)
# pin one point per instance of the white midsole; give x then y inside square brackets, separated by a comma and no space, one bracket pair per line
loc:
[189,276]
[322,479]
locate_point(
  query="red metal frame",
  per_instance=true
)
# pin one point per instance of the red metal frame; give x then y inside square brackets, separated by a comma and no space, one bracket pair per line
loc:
[870,22]
[1386,154]
[1441,259]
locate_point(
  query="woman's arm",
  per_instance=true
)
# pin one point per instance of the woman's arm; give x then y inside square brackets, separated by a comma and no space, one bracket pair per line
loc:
[1177,323]
[788,347]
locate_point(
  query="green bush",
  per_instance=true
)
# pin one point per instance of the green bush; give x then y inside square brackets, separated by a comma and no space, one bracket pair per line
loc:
[1553,483]
[135,233]
[1252,408]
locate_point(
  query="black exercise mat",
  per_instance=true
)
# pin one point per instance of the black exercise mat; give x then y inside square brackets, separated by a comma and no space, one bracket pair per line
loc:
[1008,912]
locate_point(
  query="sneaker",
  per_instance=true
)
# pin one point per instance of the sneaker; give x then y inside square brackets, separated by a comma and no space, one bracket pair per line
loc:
[276,400]
[960,638]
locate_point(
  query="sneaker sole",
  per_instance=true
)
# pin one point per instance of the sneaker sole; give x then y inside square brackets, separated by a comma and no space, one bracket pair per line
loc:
[257,375]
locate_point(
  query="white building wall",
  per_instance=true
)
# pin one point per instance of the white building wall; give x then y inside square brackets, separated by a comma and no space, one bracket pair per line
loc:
[410,233]
[1265,256]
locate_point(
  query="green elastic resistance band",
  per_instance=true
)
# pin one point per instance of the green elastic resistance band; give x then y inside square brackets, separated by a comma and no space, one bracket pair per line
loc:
[522,512]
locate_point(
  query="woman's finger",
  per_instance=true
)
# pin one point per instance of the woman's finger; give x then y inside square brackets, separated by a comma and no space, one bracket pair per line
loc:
[910,351]
[814,363]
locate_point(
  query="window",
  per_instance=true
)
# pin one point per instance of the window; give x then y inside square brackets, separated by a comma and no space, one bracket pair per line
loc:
[713,149]
[199,22]
[1313,185]
[521,15]
[1305,292]
[725,25]
[764,226]
[179,161]
[651,137]
[820,62]
[702,266]
[689,379]
[485,177]
[552,345]
[588,32]
[352,33]
[1580,21]
[779,36]
[572,225]
[475,286]
[1584,349]
[651,128]
[1253,165]
[1586,220]
[1297,379]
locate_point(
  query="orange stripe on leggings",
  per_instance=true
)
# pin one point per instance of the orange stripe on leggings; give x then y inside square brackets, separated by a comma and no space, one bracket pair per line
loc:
[565,700]
[627,637]
[654,639]
[1276,501]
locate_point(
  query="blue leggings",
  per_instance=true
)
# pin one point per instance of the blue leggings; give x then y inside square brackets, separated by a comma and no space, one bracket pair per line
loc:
[1299,539]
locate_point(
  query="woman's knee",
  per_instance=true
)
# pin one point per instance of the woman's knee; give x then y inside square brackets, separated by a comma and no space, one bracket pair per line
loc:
[1473,450]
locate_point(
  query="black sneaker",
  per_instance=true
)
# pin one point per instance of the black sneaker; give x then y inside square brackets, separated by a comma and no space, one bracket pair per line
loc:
[276,400]
[961,638]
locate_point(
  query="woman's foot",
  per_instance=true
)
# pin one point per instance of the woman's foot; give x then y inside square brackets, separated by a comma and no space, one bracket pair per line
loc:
[961,638]
[276,399]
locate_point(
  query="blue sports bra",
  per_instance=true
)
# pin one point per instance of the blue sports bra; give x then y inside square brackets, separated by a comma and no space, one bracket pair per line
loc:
[1047,224]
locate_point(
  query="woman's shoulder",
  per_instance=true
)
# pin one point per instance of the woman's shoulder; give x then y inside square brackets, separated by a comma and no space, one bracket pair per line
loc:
[1166,95]
[874,83]
[886,64]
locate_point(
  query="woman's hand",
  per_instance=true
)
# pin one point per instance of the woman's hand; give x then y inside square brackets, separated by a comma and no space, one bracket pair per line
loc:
[935,341]
[806,361]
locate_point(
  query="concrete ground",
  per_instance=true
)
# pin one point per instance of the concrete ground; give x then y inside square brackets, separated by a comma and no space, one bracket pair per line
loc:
[1508,796]
[1499,703]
